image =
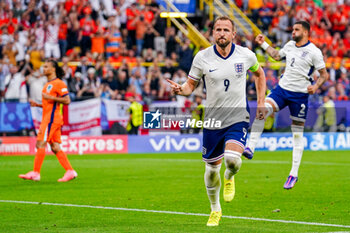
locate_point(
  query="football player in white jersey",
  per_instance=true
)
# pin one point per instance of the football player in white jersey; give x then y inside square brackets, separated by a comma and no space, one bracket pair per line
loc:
[224,67]
[295,85]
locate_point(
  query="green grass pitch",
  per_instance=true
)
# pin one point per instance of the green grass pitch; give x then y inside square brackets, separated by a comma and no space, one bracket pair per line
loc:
[174,182]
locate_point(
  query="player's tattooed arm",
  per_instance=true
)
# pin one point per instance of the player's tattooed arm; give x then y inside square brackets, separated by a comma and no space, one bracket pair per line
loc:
[61,100]
[321,79]
[273,53]
[260,40]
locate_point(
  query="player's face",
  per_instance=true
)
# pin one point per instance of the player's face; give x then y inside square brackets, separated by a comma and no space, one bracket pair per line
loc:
[298,32]
[48,69]
[223,33]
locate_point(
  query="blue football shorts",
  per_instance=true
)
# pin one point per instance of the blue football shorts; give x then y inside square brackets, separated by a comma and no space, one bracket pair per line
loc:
[214,141]
[296,101]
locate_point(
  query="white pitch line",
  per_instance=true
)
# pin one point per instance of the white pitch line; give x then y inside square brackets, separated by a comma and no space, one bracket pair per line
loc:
[199,160]
[174,212]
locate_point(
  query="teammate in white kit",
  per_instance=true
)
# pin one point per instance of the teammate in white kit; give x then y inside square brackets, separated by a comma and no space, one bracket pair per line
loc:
[224,67]
[293,89]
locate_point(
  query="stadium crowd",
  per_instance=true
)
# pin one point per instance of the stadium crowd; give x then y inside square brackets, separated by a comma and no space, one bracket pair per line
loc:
[119,48]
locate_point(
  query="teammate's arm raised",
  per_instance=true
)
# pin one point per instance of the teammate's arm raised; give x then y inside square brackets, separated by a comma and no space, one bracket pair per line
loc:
[185,89]
[62,100]
[260,39]
[321,79]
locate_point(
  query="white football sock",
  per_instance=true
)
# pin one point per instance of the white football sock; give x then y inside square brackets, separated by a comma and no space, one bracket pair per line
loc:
[233,163]
[258,128]
[213,184]
[298,148]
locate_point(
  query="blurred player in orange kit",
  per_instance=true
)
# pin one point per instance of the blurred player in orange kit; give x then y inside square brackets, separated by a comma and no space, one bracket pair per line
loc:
[54,93]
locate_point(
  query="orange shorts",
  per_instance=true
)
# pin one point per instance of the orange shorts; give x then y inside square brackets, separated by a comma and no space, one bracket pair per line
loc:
[49,133]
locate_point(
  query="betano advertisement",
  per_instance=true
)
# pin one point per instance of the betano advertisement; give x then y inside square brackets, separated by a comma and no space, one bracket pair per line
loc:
[115,144]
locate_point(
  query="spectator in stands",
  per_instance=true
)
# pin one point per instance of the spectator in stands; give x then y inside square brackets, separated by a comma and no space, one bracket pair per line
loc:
[170,41]
[254,6]
[68,72]
[62,35]
[87,92]
[131,14]
[340,92]
[75,84]
[140,28]
[116,59]
[91,85]
[168,67]
[36,55]
[83,67]
[21,43]
[87,29]
[345,82]
[346,40]
[159,25]
[271,81]
[52,48]
[333,72]
[39,34]
[138,81]
[138,67]
[98,42]
[285,26]
[153,84]
[11,22]
[338,20]
[114,40]
[149,37]
[186,56]
[331,92]
[36,82]
[266,13]
[5,37]
[111,80]
[130,58]
[105,92]
[15,86]
[122,83]
[73,27]
[180,77]
[4,71]
[10,52]
[149,55]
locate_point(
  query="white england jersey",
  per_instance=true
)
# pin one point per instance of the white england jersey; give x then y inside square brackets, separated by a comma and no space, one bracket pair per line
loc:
[225,80]
[301,62]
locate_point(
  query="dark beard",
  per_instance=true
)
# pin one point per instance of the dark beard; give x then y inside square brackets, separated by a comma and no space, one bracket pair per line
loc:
[297,38]
[222,45]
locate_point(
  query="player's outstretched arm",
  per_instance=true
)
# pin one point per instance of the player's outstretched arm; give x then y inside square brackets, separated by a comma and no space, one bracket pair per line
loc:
[185,89]
[321,79]
[260,39]
[35,104]
[61,100]
[260,83]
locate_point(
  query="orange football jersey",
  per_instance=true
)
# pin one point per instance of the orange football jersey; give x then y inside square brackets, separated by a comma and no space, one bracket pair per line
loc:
[51,109]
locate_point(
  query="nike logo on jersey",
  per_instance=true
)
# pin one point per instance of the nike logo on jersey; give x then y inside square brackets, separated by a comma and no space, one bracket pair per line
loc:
[212,70]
